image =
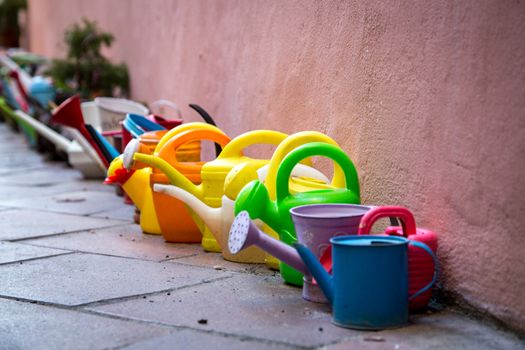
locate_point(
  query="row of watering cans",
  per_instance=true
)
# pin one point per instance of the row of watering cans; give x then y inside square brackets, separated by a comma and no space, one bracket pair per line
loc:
[255,210]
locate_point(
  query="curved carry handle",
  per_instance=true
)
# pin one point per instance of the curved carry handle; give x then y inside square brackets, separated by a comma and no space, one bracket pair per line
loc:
[138,124]
[208,119]
[182,128]
[436,268]
[291,143]
[167,103]
[235,147]
[173,144]
[408,222]
[316,149]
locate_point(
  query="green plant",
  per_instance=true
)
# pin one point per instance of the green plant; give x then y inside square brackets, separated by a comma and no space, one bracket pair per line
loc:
[85,69]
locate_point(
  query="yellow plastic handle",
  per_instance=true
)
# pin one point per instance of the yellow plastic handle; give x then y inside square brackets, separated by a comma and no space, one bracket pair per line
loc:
[235,147]
[290,143]
[185,127]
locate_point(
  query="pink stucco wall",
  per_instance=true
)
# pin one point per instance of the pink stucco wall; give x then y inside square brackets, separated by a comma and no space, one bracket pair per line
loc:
[428,98]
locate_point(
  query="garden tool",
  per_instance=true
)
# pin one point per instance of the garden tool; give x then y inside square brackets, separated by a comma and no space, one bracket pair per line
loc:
[70,114]
[368,288]
[300,185]
[420,265]
[160,207]
[255,199]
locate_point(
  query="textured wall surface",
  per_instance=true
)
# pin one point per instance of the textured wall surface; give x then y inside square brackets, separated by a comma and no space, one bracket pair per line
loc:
[428,98]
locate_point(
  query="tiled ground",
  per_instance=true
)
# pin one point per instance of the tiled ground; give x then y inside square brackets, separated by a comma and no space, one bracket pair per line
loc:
[76,273]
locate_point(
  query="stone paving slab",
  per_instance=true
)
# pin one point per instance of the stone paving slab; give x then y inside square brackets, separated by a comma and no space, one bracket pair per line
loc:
[29,326]
[79,202]
[245,305]
[11,192]
[24,223]
[122,240]
[190,339]
[41,177]
[124,212]
[443,330]
[76,279]
[14,252]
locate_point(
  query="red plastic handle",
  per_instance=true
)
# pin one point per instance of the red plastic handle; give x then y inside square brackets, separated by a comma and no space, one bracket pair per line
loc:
[407,219]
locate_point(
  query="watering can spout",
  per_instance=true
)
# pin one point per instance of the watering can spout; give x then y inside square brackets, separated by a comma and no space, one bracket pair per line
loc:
[317,270]
[174,176]
[210,216]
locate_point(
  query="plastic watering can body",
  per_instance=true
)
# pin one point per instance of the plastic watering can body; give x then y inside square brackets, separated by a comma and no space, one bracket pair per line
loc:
[168,169]
[136,185]
[372,269]
[254,197]
[297,185]
[210,192]
[420,265]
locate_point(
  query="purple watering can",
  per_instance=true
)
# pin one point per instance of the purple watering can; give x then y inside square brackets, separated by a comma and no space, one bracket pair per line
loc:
[315,224]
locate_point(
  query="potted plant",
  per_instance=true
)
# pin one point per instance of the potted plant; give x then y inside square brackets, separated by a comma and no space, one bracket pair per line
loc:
[85,70]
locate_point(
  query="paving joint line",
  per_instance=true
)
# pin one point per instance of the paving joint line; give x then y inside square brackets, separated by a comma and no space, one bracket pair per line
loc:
[81,307]
[111,301]
[61,233]
[36,258]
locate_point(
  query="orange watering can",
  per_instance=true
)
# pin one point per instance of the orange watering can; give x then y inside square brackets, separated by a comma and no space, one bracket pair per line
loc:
[179,227]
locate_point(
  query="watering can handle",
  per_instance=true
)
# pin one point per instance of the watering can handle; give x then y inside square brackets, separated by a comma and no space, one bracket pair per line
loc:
[408,222]
[436,268]
[182,128]
[173,144]
[235,147]
[289,144]
[168,103]
[316,149]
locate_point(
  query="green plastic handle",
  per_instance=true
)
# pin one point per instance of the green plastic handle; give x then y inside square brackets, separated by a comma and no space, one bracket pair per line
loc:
[310,150]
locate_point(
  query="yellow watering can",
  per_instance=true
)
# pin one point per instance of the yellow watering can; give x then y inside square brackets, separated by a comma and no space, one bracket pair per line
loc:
[240,170]
[135,180]
[177,224]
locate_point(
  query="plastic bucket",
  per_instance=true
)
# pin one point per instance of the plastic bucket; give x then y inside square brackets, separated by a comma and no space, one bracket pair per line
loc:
[113,110]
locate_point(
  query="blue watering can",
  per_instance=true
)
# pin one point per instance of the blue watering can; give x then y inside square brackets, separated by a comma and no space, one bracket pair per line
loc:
[368,288]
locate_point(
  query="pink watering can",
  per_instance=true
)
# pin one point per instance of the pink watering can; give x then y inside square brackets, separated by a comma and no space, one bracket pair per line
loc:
[420,264]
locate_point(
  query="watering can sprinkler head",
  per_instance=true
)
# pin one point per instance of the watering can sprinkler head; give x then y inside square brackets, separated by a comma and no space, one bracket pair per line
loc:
[244,233]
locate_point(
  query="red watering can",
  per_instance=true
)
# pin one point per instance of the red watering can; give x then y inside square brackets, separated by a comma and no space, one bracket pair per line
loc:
[69,114]
[420,264]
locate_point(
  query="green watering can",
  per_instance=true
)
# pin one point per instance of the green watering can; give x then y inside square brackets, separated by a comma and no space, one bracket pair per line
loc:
[254,197]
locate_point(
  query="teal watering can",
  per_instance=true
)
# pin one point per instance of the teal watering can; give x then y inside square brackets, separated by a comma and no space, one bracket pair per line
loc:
[368,288]
[255,199]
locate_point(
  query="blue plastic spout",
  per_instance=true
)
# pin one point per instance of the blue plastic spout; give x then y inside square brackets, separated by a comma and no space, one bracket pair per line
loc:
[317,270]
